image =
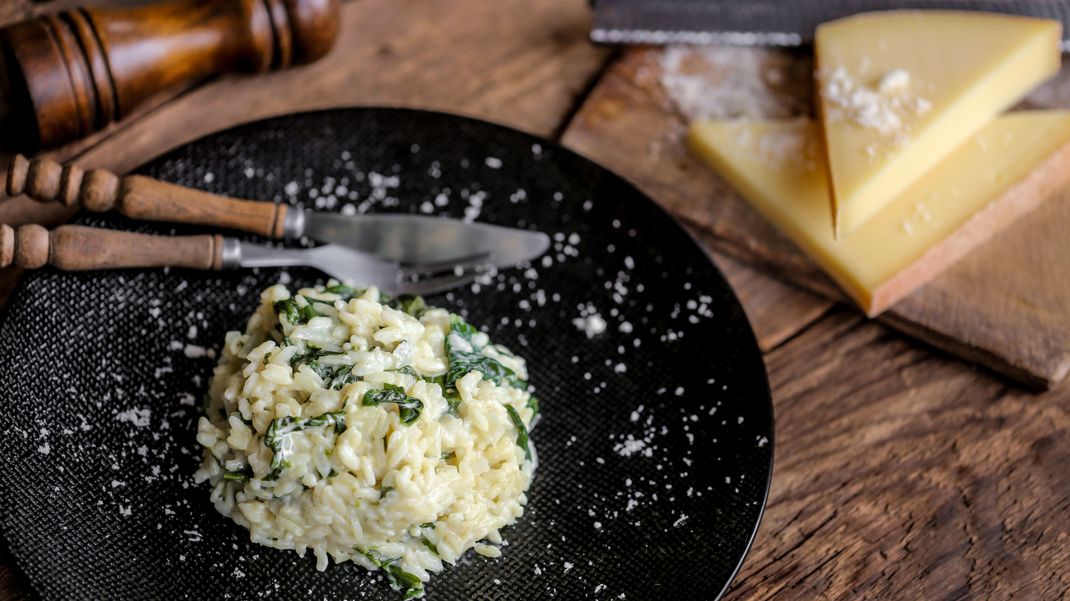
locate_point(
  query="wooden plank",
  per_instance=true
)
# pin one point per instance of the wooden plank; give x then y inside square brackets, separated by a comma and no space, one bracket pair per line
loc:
[776,310]
[901,475]
[1004,306]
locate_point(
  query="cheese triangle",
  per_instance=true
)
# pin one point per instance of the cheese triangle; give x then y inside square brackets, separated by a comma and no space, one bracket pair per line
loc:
[900,90]
[995,177]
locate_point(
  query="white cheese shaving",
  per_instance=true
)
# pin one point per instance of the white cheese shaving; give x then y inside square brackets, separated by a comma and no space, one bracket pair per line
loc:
[883,107]
[592,325]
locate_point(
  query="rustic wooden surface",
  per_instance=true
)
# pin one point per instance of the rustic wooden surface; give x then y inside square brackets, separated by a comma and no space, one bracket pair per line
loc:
[1007,305]
[904,475]
[900,473]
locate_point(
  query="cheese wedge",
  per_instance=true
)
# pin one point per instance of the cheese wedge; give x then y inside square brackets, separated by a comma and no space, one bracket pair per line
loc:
[900,90]
[995,177]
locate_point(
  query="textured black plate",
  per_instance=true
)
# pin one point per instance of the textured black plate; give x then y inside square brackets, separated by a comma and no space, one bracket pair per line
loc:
[655,444]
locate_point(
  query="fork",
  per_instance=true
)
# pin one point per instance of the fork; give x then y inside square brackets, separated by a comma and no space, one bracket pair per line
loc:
[80,248]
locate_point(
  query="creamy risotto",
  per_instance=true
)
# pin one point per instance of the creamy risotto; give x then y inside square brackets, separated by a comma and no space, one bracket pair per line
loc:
[368,429]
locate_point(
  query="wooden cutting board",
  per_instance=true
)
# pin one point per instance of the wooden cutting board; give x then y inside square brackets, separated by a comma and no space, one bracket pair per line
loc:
[1006,306]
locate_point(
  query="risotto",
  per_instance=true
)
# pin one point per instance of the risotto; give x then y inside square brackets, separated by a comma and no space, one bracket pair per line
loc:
[368,429]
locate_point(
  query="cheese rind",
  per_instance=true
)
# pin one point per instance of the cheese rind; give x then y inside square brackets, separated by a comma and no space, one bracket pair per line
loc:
[899,90]
[995,177]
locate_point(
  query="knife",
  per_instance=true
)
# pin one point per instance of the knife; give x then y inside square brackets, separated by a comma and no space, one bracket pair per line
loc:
[417,238]
[405,238]
[771,22]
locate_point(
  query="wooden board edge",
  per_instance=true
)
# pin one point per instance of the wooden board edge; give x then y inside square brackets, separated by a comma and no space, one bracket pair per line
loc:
[823,286]
[1039,186]
[984,358]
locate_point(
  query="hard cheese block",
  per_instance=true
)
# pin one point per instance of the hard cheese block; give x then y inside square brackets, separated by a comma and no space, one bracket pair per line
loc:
[900,90]
[995,177]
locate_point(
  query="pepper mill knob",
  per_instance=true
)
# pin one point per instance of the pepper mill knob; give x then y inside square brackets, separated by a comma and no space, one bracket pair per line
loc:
[71,74]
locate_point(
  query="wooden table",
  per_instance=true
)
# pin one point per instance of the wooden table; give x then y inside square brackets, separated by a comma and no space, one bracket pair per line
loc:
[900,473]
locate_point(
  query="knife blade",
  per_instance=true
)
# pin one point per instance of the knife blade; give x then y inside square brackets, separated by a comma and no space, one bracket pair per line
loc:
[417,238]
[771,22]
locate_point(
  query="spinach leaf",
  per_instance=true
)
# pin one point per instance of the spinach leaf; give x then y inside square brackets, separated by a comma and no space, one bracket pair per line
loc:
[334,377]
[408,584]
[340,378]
[408,303]
[409,408]
[240,476]
[325,372]
[430,545]
[294,313]
[413,305]
[289,309]
[280,428]
[453,399]
[465,356]
[346,292]
[521,430]
[409,370]
[533,404]
[311,353]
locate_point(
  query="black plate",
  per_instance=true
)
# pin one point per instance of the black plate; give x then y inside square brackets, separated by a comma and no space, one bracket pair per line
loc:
[655,444]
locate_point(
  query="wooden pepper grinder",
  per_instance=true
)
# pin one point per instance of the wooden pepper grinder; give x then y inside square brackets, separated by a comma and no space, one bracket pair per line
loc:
[65,76]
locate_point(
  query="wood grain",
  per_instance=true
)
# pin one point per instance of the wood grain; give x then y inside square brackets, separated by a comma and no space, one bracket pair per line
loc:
[139,197]
[916,477]
[776,310]
[1005,305]
[81,248]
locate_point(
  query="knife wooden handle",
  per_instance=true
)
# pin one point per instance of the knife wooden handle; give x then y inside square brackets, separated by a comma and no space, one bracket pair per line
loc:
[79,248]
[140,197]
[75,72]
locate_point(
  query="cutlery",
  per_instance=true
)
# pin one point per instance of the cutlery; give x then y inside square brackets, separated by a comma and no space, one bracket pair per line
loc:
[404,238]
[80,248]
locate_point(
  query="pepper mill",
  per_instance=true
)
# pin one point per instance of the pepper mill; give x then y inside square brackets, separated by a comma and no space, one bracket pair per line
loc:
[65,76]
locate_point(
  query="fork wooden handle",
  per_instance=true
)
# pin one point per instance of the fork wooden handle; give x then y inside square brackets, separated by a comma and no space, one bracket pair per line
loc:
[140,197]
[79,248]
